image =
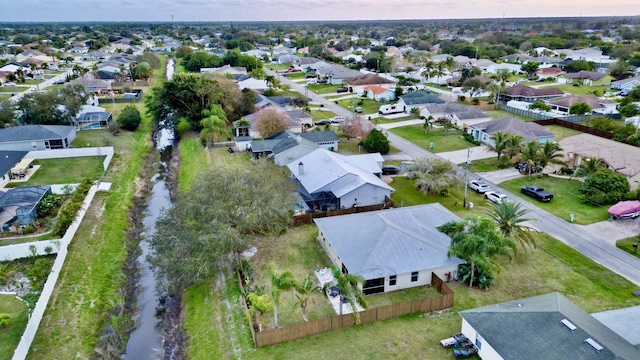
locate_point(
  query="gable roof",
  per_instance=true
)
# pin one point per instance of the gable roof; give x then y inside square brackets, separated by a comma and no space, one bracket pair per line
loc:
[34,132]
[8,159]
[567,101]
[461,111]
[326,171]
[527,129]
[390,242]
[369,79]
[526,91]
[535,330]
[583,75]
[421,97]
[627,80]
[377,89]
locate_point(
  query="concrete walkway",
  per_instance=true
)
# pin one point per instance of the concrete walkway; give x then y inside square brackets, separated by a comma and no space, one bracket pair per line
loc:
[401,124]
[499,176]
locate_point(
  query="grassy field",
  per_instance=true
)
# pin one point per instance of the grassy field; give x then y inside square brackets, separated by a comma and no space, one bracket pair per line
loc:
[442,142]
[277,66]
[627,245]
[91,280]
[14,89]
[323,88]
[562,132]
[498,114]
[482,165]
[368,106]
[384,120]
[67,171]
[320,115]
[10,335]
[566,199]
[582,90]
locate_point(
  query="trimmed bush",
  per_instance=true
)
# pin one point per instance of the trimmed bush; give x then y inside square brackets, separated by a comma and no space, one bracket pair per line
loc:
[5,320]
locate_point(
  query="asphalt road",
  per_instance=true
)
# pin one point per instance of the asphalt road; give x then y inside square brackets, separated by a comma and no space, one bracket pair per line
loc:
[591,245]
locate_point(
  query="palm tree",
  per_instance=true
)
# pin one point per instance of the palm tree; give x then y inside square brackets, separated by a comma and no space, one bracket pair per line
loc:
[438,71]
[303,290]
[450,62]
[279,283]
[478,244]
[271,81]
[530,153]
[514,145]
[428,123]
[428,67]
[551,153]
[589,166]
[500,142]
[503,76]
[214,123]
[509,215]
[258,304]
[349,289]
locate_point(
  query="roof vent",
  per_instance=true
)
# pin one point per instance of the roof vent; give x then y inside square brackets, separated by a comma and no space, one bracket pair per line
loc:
[594,344]
[568,324]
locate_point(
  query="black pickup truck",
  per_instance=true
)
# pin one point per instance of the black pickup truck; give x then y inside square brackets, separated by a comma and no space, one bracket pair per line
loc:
[536,192]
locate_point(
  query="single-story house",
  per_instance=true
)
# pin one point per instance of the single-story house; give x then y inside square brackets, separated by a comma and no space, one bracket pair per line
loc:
[391,249]
[224,70]
[330,181]
[626,84]
[36,137]
[287,146]
[92,117]
[543,327]
[21,204]
[91,85]
[253,84]
[359,82]
[529,94]
[8,160]
[248,126]
[337,74]
[625,322]
[530,131]
[379,93]
[549,72]
[459,115]
[620,157]
[419,99]
[563,104]
[495,68]
[583,77]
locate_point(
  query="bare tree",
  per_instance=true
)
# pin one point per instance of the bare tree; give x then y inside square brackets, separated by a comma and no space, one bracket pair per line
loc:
[356,127]
[271,121]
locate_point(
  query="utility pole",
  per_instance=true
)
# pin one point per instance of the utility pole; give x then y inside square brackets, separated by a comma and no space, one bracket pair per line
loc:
[466,179]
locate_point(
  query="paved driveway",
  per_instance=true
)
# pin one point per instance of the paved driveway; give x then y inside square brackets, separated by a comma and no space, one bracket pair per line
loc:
[614,230]
[499,176]
[475,153]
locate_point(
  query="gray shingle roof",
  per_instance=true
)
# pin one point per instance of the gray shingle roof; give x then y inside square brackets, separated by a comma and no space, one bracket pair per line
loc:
[526,129]
[390,242]
[8,159]
[531,329]
[421,97]
[526,91]
[34,132]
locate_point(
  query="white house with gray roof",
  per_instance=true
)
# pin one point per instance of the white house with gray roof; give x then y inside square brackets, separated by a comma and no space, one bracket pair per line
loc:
[530,131]
[330,181]
[543,327]
[459,115]
[419,99]
[391,249]
[36,137]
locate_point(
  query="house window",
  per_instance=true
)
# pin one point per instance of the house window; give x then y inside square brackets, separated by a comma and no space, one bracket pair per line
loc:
[392,280]
[478,341]
[414,276]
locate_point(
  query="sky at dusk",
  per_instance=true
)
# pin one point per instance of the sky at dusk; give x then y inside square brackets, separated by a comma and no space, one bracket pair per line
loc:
[280,10]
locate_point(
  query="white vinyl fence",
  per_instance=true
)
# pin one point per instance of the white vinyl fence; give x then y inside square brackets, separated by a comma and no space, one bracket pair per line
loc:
[106,151]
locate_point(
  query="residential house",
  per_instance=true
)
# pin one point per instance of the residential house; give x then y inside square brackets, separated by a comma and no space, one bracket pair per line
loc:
[27,54]
[593,54]
[330,181]
[391,249]
[337,74]
[562,105]
[419,100]
[543,327]
[253,84]
[286,146]
[379,93]
[308,64]
[587,78]
[248,126]
[224,70]
[36,137]
[529,94]
[620,157]
[359,82]
[92,117]
[8,160]
[549,72]
[95,56]
[459,115]
[483,64]
[91,85]
[530,131]
[495,68]
[626,84]
[20,205]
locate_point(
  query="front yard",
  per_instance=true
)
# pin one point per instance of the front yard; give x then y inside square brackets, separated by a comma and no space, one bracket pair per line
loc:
[368,106]
[566,198]
[442,141]
[66,171]
[323,88]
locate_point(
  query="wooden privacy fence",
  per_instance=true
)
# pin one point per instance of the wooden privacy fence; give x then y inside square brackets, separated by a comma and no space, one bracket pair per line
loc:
[307,218]
[335,322]
[576,126]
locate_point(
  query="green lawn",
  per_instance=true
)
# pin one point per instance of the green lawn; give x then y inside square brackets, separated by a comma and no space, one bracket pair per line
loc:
[498,114]
[566,199]
[627,244]
[277,66]
[384,120]
[320,115]
[562,132]
[67,171]
[295,75]
[4,96]
[14,89]
[10,335]
[582,90]
[368,106]
[482,165]
[323,88]
[442,142]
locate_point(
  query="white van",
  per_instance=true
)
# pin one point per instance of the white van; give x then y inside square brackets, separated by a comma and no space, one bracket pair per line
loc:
[337,119]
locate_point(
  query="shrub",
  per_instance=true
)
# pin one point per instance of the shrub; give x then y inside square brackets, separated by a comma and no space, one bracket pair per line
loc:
[605,186]
[462,98]
[69,211]
[361,102]
[504,162]
[475,101]
[5,320]
[129,118]
[470,139]
[48,206]
[376,142]
[29,229]
[484,279]
[566,171]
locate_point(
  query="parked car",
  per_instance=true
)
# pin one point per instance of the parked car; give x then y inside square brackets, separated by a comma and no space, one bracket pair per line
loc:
[312,82]
[337,119]
[358,110]
[496,197]
[342,90]
[536,192]
[9,83]
[479,186]
[522,167]
[390,170]
[59,82]
[310,75]
[322,81]
[322,122]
